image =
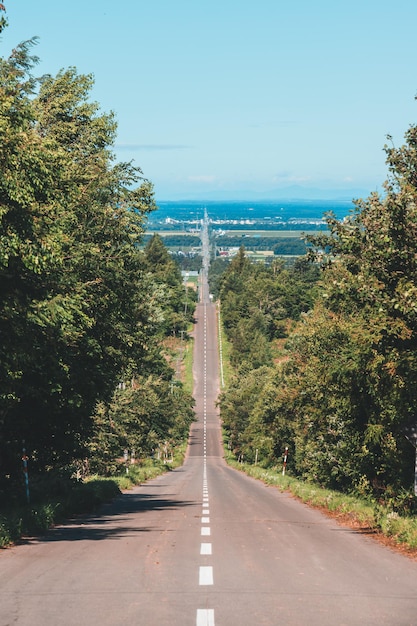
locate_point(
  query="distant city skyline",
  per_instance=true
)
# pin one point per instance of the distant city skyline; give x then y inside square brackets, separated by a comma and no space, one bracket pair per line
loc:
[239,100]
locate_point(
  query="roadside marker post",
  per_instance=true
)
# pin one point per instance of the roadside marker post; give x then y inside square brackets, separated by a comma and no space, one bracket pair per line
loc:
[284,467]
[410,433]
[25,460]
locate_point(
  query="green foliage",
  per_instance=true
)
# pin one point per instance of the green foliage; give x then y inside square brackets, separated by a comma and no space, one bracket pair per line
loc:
[279,245]
[178,302]
[72,307]
[56,496]
[82,308]
[176,240]
[237,405]
[53,497]
[256,302]
[216,270]
[147,413]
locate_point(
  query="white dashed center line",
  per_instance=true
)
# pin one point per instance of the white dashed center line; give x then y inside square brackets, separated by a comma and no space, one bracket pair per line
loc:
[206,575]
[205,617]
[205,548]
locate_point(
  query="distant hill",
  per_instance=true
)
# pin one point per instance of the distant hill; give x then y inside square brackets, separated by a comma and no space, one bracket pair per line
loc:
[293,192]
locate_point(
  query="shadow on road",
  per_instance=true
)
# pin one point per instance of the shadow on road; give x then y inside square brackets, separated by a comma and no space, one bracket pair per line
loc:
[128,515]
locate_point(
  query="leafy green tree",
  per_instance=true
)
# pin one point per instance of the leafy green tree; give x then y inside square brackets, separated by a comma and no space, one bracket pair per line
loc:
[271,423]
[216,270]
[347,389]
[237,404]
[179,303]
[256,303]
[251,348]
[369,286]
[140,418]
[77,307]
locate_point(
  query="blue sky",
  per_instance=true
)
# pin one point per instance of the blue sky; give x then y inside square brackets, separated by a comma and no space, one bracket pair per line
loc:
[236,97]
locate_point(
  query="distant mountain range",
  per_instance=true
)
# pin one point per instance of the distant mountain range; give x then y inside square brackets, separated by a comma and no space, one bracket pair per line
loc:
[293,192]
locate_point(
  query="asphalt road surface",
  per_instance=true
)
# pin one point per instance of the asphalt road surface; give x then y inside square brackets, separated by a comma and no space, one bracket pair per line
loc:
[204,545]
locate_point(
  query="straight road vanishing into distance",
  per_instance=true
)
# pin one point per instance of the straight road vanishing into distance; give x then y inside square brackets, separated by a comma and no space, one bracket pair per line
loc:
[204,545]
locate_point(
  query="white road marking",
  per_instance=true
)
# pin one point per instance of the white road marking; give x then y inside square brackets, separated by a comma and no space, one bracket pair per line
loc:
[205,617]
[206,575]
[205,548]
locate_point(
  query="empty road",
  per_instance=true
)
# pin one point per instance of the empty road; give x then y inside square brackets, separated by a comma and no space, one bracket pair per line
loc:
[204,545]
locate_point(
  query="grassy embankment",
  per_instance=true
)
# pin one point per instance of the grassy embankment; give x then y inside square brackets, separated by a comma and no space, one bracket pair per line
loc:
[367,516]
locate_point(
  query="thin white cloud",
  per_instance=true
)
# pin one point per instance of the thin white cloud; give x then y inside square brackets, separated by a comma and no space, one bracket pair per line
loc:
[202,179]
[273,123]
[288,177]
[150,146]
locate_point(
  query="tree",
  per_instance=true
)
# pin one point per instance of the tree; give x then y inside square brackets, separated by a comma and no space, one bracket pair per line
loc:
[140,418]
[237,404]
[77,310]
[370,282]
[179,305]
[346,391]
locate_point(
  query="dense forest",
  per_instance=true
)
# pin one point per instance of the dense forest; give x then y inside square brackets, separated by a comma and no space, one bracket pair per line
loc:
[85,310]
[340,386]
[179,240]
[279,245]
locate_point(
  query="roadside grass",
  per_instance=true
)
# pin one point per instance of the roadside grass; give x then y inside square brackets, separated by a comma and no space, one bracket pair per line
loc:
[364,515]
[55,498]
